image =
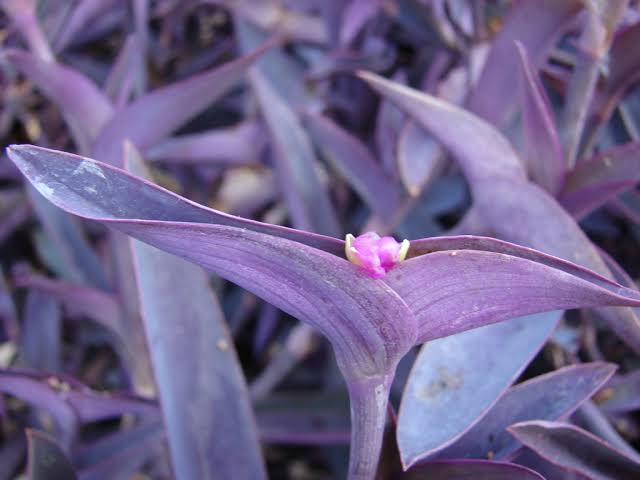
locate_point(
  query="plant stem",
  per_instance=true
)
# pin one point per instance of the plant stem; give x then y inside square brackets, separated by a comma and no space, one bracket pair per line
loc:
[369,397]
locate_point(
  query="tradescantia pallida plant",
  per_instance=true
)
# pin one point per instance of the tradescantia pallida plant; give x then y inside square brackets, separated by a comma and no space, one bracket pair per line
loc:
[446,285]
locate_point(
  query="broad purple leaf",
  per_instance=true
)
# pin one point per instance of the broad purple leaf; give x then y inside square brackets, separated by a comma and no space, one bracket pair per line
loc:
[499,192]
[492,153]
[195,366]
[12,455]
[46,459]
[84,107]
[173,104]
[420,158]
[41,342]
[547,397]
[599,179]
[307,198]
[240,144]
[447,392]
[471,469]
[90,193]
[570,447]
[158,203]
[355,162]
[469,289]
[542,150]
[622,394]
[537,25]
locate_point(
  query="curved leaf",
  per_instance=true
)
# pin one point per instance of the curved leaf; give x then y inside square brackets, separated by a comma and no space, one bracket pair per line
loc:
[174,104]
[447,393]
[543,152]
[547,397]
[537,24]
[596,180]
[491,152]
[575,449]
[195,366]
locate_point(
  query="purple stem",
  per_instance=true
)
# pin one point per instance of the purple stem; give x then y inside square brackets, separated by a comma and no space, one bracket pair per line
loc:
[369,397]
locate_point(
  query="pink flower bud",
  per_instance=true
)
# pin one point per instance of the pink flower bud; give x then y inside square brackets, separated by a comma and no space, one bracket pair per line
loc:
[374,254]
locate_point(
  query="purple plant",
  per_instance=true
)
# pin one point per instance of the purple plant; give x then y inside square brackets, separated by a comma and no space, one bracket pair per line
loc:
[176,300]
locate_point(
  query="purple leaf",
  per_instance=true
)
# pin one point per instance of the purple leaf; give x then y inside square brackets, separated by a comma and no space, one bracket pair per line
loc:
[23,14]
[41,343]
[240,144]
[446,378]
[542,150]
[174,104]
[158,202]
[82,14]
[471,469]
[600,24]
[492,153]
[469,289]
[307,198]
[420,158]
[624,71]
[547,397]
[537,26]
[599,179]
[84,107]
[46,459]
[355,162]
[355,16]
[195,366]
[499,187]
[96,406]
[622,394]
[575,449]
[47,393]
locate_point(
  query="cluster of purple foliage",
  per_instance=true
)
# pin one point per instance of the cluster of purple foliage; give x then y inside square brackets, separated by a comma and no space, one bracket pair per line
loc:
[489,129]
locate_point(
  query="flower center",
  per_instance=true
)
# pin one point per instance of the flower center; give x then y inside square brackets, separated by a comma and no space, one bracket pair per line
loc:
[374,254]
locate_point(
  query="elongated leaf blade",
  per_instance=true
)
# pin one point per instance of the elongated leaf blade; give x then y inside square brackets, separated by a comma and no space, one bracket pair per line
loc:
[354,161]
[174,104]
[195,366]
[447,393]
[307,198]
[599,179]
[85,108]
[537,25]
[485,151]
[469,289]
[570,447]
[327,292]
[50,166]
[547,397]
[543,152]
